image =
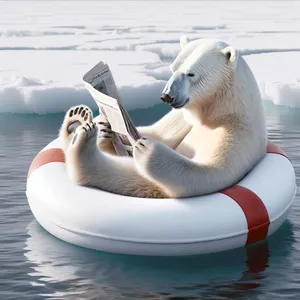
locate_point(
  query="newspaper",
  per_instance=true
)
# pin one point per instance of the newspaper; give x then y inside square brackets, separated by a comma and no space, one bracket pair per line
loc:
[101,85]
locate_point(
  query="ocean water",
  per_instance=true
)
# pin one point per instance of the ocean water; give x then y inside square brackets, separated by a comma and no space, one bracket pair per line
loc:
[45,48]
[36,265]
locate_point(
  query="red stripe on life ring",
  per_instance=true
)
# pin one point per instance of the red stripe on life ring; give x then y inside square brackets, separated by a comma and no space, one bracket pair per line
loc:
[254,209]
[45,157]
[272,148]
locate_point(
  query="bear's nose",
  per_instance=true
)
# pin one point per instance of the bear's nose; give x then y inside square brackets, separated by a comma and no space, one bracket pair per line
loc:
[166,98]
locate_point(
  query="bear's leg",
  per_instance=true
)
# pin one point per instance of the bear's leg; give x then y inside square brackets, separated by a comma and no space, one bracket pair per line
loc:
[75,116]
[175,174]
[83,157]
[87,165]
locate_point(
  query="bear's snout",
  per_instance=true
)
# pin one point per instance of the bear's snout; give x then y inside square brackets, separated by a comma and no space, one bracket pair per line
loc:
[166,98]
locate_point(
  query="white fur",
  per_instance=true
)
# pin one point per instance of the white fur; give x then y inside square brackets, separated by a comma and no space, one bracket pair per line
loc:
[208,145]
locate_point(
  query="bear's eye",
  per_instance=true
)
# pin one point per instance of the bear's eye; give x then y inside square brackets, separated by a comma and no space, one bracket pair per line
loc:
[190,74]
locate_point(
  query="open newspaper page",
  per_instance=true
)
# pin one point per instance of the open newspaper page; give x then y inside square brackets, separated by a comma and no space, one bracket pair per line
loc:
[100,83]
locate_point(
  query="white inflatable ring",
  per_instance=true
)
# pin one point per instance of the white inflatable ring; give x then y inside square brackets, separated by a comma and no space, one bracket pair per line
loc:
[240,215]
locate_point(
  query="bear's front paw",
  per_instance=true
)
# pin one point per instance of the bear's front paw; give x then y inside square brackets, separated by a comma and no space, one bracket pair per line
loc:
[105,134]
[148,156]
[143,149]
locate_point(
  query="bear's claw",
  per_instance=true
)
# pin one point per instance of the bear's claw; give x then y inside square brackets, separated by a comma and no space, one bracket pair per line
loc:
[143,145]
[105,133]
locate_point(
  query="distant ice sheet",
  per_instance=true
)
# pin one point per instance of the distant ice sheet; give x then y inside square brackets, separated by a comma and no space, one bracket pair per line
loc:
[140,85]
[278,76]
[46,47]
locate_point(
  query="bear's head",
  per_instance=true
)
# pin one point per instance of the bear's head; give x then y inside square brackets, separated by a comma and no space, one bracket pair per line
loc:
[202,69]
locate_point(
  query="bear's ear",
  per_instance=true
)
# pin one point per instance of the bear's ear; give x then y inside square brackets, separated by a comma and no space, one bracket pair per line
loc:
[230,54]
[183,41]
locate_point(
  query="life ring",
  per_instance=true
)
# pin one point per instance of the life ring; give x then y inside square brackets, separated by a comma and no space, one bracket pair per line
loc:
[240,215]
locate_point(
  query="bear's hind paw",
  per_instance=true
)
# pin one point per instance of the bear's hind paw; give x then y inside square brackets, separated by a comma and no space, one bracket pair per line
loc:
[84,135]
[76,116]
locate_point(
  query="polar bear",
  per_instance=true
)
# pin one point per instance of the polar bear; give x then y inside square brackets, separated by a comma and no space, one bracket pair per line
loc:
[214,134]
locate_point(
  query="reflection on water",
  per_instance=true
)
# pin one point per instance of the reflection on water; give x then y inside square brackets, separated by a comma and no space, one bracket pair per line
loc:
[34,265]
[238,273]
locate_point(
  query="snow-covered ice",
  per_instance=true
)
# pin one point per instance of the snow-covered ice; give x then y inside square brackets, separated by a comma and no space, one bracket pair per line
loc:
[46,47]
